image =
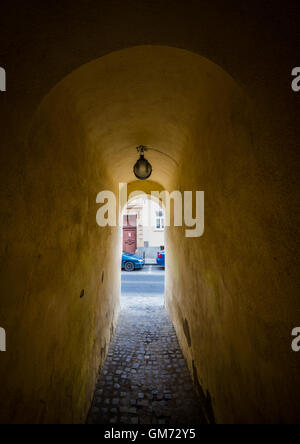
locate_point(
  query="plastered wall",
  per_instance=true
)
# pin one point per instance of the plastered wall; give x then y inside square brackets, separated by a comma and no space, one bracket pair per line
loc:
[232,294]
[59,302]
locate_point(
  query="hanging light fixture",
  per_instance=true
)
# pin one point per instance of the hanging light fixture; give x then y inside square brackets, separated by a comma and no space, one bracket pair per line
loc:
[142,169]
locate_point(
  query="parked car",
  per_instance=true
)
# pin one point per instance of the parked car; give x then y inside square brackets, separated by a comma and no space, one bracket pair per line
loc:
[160,260]
[130,262]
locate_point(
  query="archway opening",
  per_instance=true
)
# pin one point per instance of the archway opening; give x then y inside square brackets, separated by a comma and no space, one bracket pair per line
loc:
[143,253]
[83,140]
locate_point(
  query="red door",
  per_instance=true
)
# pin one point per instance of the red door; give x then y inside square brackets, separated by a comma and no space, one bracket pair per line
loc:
[130,234]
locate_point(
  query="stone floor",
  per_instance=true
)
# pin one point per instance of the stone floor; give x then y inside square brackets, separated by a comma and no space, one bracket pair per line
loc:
[145,379]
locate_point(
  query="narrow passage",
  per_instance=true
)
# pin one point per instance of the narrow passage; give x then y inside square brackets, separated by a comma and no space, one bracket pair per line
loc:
[145,379]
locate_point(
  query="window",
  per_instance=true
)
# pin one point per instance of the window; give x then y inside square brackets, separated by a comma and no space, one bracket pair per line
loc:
[160,220]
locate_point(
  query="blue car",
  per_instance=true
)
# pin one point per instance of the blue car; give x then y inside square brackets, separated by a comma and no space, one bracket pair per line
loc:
[160,260]
[130,262]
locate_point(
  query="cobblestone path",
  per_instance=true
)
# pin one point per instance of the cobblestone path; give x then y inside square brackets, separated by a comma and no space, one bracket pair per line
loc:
[145,379]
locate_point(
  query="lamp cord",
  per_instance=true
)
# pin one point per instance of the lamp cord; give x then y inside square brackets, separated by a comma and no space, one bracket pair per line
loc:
[141,149]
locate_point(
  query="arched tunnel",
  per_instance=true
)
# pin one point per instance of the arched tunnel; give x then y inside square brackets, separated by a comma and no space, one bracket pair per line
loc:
[223,122]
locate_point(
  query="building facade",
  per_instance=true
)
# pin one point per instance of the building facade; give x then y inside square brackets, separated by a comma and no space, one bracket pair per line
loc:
[143,228]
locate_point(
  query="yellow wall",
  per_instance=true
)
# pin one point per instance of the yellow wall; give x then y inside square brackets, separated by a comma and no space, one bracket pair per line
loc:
[56,338]
[230,293]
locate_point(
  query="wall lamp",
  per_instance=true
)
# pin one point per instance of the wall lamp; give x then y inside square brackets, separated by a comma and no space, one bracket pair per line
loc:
[142,169]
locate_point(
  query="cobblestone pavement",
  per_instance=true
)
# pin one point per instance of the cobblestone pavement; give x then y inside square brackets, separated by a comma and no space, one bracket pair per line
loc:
[145,379]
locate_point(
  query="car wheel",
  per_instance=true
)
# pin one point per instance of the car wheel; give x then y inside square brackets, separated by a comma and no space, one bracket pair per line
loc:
[129,266]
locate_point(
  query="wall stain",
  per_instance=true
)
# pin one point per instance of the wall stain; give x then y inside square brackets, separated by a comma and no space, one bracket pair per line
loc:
[112,332]
[206,403]
[43,410]
[103,351]
[187,333]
